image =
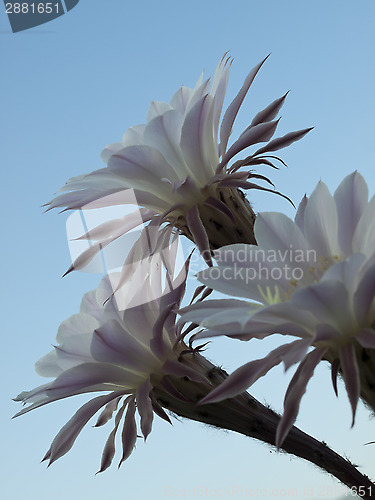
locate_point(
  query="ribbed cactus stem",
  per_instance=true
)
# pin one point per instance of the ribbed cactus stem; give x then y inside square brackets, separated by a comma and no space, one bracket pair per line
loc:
[247,416]
[222,230]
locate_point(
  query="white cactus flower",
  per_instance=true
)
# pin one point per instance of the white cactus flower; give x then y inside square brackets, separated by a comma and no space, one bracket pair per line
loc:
[329,308]
[176,167]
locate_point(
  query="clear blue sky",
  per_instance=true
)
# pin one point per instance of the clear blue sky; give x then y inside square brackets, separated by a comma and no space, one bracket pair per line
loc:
[72,86]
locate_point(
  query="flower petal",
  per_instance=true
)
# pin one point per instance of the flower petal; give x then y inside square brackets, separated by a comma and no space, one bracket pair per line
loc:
[66,437]
[109,448]
[350,373]
[107,413]
[234,106]
[111,343]
[198,144]
[253,135]
[321,222]
[245,376]
[270,112]
[144,406]
[284,141]
[198,231]
[295,391]
[351,200]
[129,433]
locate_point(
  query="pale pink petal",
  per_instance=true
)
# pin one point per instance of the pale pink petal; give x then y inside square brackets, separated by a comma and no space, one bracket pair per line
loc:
[159,410]
[201,90]
[157,342]
[142,167]
[295,391]
[111,343]
[327,301]
[144,406]
[234,106]
[163,133]
[219,86]
[111,149]
[284,141]
[88,375]
[65,439]
[350,373]
[133,135]
[245,376]
[198,145]
[129,433]
[275,231]
[364,234]
[157,108]
[90,306]
[321,222]
[347,271]
[364,296]
[87,255]
[33,395]
[198,231]
[300,214]
[181,98]
[296,352]
[109,448]
[351,200]
[48,365]
[251,185]
[107,413]
[200,311]
[259,133]
[270,112]
[118,226]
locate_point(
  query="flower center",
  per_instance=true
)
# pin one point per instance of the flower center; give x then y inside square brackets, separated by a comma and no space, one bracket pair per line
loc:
[271,297]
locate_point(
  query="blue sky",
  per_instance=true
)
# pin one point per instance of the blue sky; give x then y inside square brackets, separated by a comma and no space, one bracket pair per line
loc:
[72,86]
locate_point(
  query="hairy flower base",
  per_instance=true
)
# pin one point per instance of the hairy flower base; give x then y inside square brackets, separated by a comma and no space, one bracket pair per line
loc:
[247,416]
[233,224]
[221,229]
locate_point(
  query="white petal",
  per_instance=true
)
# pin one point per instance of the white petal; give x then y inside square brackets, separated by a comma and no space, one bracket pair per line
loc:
[157,108]
[78,324]
[181,98]
[321,224]
[328,302]
[351,199]
[275,231]
[364,234]
[164,133]
[48,365]
[198,145]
